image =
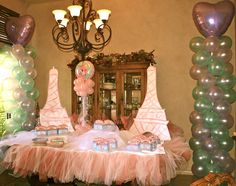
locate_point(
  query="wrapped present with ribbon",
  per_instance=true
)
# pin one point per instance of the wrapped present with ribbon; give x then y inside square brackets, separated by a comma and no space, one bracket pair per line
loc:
[98,125]
[41,130]
[154,139]
[112,143]
[101,144]
[106,125]
[51,130]
[62,129]
[146,145]
[133,145]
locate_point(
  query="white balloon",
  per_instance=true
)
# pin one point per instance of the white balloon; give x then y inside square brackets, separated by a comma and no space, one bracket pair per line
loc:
[27,62]
[18,50]
[19,94]
[28,105]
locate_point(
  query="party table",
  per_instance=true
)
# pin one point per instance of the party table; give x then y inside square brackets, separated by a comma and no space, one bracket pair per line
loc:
[69,163]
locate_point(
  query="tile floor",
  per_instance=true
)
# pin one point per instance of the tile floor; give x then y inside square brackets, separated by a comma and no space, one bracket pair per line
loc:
[6,179]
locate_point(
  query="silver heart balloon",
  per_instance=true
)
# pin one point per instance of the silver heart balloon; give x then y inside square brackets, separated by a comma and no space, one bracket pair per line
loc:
[20,29]
[213,19]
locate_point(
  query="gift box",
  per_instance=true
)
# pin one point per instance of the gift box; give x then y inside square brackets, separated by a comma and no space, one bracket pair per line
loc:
[112,143]
[51,130]
[146,145]
[97,126]
[101,144]
[62,129]
[106,125]
[41,131]
[133,145]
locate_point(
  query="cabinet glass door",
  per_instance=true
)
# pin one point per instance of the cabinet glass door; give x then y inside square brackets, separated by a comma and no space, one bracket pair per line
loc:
[132,92]
[107,96]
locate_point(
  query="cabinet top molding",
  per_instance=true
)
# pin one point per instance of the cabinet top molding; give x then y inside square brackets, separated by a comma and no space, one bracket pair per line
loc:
[117,59]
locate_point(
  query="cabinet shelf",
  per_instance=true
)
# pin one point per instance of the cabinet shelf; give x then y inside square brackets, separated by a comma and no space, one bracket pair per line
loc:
[107,89]
[132,89]
[106,108]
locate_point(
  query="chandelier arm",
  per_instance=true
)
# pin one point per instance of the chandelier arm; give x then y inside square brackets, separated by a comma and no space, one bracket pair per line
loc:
[107,27]
[56,38]
[59,35]
[75,31]
[104,41]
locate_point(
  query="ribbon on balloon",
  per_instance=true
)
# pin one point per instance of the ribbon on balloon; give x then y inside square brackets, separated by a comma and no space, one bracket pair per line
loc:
[214,93]
[83,86]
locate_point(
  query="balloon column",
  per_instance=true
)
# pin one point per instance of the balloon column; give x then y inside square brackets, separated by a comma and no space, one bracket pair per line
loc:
[18,93]
[83,86]
[214,93]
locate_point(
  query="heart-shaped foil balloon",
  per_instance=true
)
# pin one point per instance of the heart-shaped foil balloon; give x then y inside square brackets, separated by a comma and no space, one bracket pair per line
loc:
[20,29]
[213,19]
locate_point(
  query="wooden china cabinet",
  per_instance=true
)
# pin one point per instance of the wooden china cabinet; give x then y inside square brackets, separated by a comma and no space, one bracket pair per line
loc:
[120,85]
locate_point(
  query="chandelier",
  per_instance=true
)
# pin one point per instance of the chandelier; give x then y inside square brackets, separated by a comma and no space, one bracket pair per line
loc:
[74,30]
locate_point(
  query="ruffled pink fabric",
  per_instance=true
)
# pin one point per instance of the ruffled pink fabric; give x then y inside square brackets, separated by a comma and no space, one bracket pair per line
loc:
[64,165]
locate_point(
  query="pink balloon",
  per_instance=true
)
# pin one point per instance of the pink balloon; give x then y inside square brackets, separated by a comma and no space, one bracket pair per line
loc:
[75,89]
[82,93]
[90,83]
[90,91]
[213,19]
[20,29]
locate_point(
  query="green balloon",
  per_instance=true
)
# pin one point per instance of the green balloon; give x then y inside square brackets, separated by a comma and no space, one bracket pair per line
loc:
[33,94]
[216,67]
[19,73]
[201,58]
[199,170]
[201,156]
[198,92]
[225,42]
[219,132]
[226,143]
[196,43]
[203,104]
[11,126]
[230,95]
[226,81]
[213,168]
[211,119]
[194,143]
[27,83]
[19,115]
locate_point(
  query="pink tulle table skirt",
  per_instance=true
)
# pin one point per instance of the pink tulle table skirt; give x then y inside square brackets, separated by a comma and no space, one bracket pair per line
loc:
[65,165]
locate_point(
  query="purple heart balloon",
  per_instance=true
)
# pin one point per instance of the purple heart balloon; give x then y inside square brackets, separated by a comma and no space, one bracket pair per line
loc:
[213,19]
[20,29]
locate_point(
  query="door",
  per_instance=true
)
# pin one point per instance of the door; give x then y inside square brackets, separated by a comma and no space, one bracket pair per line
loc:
[107,96]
